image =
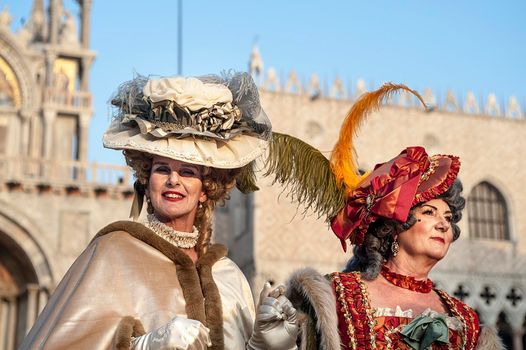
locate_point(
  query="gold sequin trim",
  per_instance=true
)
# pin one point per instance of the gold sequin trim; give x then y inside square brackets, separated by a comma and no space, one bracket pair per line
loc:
[433,164]
[389,332]
[340,290]
[456,313]
[371,322]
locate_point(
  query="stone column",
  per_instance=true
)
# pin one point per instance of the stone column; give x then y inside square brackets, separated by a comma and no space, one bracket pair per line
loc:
[49,123]
[4,316]
[32,300]
[85,23]
[84,119]
[55,12]
[12,145]
[11,323]
[21,166]
[50,61]
[85,69]
[517,338]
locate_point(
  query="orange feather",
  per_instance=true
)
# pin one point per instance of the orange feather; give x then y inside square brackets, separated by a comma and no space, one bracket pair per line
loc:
[343,161]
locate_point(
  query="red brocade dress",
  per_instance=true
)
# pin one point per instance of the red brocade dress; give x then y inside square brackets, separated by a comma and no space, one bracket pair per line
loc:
[360,328]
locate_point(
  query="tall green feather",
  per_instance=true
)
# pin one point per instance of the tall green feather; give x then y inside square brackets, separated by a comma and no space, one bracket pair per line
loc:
[306,175]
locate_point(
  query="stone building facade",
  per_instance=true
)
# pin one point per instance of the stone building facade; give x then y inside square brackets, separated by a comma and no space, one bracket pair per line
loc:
[486,266]
[52,201]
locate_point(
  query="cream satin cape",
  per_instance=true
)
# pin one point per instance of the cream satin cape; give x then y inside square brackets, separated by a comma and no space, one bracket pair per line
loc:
[129,281]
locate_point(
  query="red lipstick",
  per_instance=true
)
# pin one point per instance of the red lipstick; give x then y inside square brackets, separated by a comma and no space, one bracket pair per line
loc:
[173,196]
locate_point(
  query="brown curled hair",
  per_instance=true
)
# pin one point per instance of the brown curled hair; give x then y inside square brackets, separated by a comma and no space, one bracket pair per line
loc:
[217,183]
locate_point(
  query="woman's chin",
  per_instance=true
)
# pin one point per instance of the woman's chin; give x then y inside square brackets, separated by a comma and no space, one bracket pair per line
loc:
[437,255]
[174,216]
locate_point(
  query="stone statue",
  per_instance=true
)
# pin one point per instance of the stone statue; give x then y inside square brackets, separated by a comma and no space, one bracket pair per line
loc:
[61,81]
[5,18]
[256,63]
[68,30]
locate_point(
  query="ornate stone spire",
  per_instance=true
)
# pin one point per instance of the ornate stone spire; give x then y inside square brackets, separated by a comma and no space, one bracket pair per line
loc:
[255,64]
[5,18]
[35,28]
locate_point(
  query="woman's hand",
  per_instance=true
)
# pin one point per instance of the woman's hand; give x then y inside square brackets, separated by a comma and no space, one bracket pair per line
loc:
[276,325]
[178,334]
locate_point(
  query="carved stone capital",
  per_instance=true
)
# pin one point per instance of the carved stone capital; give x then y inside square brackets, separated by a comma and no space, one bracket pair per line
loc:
[24,114]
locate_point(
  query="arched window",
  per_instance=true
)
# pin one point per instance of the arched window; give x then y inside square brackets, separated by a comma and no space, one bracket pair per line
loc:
[487,213]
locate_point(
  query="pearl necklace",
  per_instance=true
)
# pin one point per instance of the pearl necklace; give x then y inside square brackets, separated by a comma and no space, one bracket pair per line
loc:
[177,238]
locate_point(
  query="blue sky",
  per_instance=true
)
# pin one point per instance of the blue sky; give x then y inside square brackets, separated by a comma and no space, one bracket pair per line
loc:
[458,45]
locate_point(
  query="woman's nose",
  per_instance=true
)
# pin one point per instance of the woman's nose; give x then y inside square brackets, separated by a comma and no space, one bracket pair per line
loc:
[443,224]
[173,179]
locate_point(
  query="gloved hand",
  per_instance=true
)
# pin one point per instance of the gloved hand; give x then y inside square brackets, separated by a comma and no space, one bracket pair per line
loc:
[178,334]
[276,325]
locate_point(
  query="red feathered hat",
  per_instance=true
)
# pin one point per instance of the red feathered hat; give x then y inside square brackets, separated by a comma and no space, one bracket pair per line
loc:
[392,189]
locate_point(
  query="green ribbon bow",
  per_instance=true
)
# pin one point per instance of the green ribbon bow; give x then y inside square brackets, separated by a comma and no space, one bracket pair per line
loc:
[424,330]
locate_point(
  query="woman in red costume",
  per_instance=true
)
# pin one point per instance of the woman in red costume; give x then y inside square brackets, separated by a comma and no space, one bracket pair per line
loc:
[401,218]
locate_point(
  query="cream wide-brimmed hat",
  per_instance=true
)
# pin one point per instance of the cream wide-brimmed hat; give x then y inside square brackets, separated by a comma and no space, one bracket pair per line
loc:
[214,121]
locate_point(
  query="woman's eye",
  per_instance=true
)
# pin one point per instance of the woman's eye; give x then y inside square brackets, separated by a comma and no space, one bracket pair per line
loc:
[187,172]
[162,169]
[449,218]
[428,212]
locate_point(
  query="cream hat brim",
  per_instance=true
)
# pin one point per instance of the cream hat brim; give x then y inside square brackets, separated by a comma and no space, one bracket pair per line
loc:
[224,154]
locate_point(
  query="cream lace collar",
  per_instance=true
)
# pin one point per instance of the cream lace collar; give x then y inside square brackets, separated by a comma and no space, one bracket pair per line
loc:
[177,238]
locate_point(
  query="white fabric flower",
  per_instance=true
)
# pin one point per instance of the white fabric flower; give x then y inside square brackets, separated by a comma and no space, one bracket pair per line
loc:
[191,93]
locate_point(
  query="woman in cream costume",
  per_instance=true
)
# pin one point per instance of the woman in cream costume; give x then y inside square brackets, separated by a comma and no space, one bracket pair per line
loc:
[160,283]
[401,217]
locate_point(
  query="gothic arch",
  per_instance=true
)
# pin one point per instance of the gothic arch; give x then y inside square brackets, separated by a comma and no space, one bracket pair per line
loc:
[25,275]
[20,231]
[11,52]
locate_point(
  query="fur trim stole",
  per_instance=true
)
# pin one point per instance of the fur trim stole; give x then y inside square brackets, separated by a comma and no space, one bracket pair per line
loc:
[203,301]
[489,339]
[311,294]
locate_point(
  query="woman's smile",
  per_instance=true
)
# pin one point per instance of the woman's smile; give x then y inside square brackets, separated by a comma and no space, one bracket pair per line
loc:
[173,196]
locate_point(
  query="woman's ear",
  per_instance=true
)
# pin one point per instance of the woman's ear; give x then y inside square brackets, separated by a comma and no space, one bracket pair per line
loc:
[203,197]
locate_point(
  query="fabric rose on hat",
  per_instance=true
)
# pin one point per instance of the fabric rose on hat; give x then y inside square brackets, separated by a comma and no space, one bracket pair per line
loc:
[191,93]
